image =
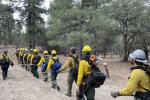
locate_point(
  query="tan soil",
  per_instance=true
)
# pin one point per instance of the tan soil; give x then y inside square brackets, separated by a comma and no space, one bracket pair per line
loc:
[21,85]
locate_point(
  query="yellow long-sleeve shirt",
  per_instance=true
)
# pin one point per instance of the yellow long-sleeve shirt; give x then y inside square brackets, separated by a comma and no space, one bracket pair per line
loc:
[28,57]
[69,63]
[41,61]
[138,79]
[50,63]
[32,57]
[84,70]
[20,54]
[24,57]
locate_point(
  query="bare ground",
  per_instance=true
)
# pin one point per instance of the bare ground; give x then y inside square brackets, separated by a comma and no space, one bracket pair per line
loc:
[21,85]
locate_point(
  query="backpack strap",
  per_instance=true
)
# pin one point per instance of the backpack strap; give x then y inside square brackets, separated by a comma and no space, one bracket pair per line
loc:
[55,60]
[75,59]
[145,89]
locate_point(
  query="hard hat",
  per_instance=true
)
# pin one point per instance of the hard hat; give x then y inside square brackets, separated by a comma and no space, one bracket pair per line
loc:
[23,49]
[5,51]
[31,49]
[53,52]
[86,49]
[73,50]
[35,50]
[138,55]
[45,52]
[26,50]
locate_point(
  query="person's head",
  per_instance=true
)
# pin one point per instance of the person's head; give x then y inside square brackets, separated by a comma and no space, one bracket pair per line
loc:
[45,52]
[31,50]
[73,50]
[53,53]
[5,52]
[35,51]
[86,51]
[26,51]
[138,57]
[23,49]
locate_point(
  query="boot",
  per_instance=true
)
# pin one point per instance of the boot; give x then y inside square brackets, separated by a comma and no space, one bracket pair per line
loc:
[58,88]
[68,94]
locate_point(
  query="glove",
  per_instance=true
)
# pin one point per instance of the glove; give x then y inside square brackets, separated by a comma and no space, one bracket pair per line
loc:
[11,63]
[58,71]
[77,89]
[115,94]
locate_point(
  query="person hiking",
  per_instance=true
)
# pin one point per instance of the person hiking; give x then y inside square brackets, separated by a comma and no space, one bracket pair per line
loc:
[44,63]
[29,59]
[71,63]
[22,50]
[54,65]
[139,79]
[25,55]
[4,63]
[17,55]
[83,72]
[34,61]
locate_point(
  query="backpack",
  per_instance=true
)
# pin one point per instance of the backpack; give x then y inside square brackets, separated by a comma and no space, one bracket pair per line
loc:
[45,64]
[36,59]
[56,66]
[74,69]
[97,78]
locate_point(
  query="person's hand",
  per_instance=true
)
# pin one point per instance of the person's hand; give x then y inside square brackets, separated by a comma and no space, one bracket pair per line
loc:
[115,94]
[105,64]
[58,71]
[77,89]
[11,63]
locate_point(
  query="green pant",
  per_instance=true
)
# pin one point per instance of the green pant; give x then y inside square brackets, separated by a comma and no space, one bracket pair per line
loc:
[70,81]
[45,76]
[135,98]
[88,93]
[34,69]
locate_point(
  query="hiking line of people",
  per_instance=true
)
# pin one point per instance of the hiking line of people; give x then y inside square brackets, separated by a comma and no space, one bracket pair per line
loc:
[85,72]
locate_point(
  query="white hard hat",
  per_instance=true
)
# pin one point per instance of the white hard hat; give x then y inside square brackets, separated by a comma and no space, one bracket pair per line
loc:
[139,55]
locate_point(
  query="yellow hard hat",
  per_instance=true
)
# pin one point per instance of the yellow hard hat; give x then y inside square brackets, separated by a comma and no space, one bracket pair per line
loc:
[22,49]
[45,52]
[35,50]
[53,52]
[31,49]
[86,49]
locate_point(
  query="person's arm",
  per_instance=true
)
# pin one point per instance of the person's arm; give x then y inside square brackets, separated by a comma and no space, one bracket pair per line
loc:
[133,83]
[66,65]
[11,62]
[31,60]
[41,62]
[80,73]
[106,69]
[49,65]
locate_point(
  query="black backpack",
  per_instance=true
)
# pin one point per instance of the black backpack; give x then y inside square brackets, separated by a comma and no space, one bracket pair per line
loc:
[74,69]
[97,78]
[36,59]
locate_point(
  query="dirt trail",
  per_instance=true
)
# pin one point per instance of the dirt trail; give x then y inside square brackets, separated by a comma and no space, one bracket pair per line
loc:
[21,85]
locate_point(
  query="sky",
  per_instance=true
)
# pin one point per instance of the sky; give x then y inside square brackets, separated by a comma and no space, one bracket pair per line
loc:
[45,5]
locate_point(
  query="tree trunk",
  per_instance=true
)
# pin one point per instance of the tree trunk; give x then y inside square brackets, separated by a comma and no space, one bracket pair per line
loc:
[81,46]
[125,47]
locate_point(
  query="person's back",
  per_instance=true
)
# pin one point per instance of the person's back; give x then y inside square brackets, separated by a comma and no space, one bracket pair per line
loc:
[5,62]
[139,80]
[72,63]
